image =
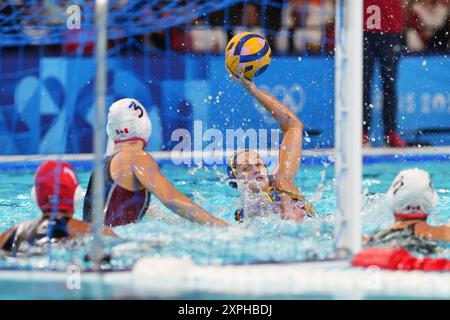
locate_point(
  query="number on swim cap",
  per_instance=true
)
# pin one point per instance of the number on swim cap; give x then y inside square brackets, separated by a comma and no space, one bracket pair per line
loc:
[136,107]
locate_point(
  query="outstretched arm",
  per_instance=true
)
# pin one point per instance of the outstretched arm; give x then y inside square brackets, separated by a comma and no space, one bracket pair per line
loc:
[290,124]
[147,172]
[441,233]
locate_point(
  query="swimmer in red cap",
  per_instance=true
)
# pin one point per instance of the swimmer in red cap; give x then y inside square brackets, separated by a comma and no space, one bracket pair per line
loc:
[411,198]
[132,175]
[248,172]
[56,188]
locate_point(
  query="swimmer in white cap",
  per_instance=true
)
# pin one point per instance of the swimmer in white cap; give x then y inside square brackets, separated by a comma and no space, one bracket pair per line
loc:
[412,199]
[56,189]
[247,169]
[132,175]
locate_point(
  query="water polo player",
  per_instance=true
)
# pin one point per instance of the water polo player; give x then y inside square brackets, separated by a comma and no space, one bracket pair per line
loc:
[55,190]
[246,169]
[411,198]
[132,175]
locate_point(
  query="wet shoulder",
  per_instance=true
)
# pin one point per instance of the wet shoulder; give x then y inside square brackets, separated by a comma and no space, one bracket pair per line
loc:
[124,162]
[145,160]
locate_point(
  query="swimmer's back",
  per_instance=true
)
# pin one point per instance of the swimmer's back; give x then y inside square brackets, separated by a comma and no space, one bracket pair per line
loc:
[417,236]
[43,230]
[121,169]
[126,199]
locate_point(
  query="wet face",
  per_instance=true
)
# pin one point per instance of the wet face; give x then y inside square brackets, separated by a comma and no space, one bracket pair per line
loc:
[251,171]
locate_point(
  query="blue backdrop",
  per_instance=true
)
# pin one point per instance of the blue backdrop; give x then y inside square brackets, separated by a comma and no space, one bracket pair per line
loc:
[46,102]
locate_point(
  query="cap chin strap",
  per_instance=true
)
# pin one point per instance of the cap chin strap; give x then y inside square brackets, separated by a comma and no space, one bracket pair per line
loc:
[131,139]
[233,159]
[420,215]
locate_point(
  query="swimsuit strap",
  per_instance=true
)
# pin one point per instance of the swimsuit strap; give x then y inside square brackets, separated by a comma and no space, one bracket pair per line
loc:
[267,195]
[405,238]
[8,245]
[296,197]
[383,234]
[108,161]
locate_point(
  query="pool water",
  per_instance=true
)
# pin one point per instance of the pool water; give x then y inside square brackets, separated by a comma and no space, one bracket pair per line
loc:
[265,239]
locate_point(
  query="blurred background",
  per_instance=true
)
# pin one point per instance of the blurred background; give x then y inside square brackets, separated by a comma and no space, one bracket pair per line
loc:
[169,56]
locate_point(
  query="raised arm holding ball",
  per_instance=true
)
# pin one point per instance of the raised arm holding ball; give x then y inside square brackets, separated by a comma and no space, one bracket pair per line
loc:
[247,169]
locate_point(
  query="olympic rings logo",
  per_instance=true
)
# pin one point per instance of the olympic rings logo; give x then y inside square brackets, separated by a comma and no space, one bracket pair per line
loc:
[293,96]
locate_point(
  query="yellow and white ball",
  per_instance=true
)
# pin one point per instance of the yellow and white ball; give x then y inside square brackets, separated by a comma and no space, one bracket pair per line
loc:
[247,54]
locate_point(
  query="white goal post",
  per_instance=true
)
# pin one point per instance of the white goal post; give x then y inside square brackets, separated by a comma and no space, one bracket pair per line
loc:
[348,123]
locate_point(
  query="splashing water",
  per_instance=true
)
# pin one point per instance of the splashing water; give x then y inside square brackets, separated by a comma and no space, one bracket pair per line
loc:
[266,238]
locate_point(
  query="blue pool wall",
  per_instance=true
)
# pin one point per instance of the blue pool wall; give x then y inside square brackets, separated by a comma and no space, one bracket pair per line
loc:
[46,103]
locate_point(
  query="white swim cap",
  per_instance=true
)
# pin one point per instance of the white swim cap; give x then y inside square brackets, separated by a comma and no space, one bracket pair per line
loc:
[412,195]
[128,120]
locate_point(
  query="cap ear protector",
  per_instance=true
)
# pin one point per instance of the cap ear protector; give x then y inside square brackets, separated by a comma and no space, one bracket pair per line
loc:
[231,170]
[109,147]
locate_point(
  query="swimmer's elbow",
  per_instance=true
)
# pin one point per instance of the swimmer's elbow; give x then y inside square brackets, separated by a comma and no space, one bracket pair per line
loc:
[183,209]
[175,201]
[168,201]
[297,124]
[292,124]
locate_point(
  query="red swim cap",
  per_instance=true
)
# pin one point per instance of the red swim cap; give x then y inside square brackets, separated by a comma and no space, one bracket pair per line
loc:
[55,183]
